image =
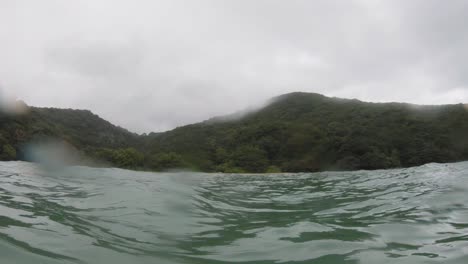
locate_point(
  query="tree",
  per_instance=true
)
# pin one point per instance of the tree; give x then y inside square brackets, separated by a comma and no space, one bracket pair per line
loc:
[127,158]
[250,159]
[165,161]
[8,152]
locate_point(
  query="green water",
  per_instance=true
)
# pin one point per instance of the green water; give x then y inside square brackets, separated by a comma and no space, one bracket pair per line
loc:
[88,215]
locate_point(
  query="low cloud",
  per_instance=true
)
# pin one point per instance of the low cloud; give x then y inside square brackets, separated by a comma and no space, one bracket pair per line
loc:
[154,65]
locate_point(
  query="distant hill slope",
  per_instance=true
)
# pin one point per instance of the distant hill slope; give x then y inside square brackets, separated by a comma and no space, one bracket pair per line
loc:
[294,132]
[79,128]
[311,132]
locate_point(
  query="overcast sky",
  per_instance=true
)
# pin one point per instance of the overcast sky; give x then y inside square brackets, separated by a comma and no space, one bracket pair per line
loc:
[154,65]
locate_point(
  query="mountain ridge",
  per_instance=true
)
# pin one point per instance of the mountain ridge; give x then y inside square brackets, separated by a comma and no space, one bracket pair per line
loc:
[294,132]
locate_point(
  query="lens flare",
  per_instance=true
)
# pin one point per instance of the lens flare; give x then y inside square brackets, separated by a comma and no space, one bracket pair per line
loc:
[52,153]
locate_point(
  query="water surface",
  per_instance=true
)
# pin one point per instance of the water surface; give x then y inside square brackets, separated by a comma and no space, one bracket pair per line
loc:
[92,215]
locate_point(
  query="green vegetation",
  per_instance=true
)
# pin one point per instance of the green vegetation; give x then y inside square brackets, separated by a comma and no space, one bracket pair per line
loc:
[122,157]
[8,152]
[295,132]
[165,161]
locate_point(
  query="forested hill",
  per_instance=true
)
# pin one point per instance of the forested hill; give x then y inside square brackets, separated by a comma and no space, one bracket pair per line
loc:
[294,132]
[79,129]
[311,132]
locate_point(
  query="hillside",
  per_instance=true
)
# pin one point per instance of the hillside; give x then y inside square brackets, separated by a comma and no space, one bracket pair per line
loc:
[311,132]
[80,129]
[294,132]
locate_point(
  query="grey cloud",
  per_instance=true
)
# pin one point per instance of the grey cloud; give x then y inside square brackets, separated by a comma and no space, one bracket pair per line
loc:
[154,65]
[100,60]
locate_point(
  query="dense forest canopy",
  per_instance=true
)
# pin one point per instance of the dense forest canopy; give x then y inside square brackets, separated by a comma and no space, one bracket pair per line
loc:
[294,132]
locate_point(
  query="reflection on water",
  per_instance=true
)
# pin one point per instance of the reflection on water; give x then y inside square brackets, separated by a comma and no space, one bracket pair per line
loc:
[88,215]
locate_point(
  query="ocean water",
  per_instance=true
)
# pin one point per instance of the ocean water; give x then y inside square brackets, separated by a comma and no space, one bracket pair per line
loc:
[96,215]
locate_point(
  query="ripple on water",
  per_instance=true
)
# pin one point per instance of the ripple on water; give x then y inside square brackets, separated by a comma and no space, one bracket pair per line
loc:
[86,215]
